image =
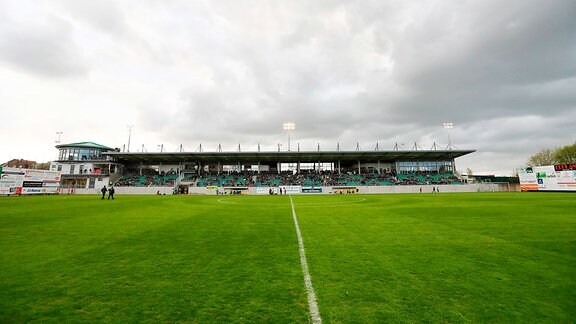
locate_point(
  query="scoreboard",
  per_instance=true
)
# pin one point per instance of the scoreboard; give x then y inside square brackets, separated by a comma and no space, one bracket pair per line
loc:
[559,177]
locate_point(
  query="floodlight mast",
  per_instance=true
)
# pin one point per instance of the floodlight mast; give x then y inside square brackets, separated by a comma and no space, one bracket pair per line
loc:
[59,135]
[448,126]
[129,135]
[290,126]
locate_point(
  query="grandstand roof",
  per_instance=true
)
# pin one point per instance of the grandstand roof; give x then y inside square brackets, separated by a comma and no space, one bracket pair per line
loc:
[287,156]
[85,145]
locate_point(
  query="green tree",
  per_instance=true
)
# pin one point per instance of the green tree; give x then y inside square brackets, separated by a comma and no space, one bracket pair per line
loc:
[566,154]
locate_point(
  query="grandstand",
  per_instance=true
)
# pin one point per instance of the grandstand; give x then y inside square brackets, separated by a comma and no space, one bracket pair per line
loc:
[201,172]
[87,166]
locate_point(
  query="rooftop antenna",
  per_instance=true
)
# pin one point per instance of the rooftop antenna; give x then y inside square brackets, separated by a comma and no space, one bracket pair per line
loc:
[318,146]
[239,149]
[219,148]
[357,146]
[376,148]
[338,147]
[258,147]
[199,148]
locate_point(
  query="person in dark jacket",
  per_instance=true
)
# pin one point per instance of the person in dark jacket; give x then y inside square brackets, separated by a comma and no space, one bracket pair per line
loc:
[103,191]
[111,193]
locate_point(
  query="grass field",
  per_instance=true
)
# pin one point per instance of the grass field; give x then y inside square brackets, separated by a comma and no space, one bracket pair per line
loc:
[493,257]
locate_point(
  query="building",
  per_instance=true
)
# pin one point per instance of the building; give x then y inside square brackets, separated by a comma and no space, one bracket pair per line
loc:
[84,165]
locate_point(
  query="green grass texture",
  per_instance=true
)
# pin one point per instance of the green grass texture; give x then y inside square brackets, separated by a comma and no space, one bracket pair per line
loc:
[474,257]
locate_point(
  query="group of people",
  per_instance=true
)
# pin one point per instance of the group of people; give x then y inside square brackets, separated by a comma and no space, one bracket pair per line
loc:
[110,192]
[434,189]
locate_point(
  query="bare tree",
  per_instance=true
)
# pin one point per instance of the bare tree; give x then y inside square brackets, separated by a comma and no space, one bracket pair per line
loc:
[544,157]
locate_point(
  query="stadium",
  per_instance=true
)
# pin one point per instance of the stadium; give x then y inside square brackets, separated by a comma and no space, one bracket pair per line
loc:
[87,166]
[282,236]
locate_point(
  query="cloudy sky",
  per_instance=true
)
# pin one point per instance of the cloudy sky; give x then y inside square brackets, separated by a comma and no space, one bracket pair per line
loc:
[232,72]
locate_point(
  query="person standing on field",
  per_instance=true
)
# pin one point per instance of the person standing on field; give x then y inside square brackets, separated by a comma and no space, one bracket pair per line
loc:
[103,191]
[111,193]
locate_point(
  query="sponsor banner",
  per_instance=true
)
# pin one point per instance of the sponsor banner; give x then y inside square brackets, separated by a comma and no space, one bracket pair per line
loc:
[212,187]
[528,181]
[7,187]
[36,191]
[42,175]
[291,189]
[262,191]
[13,176]
[266,190]
[565,167]
[29,181]
[311,190]
[548,178]
[32,184]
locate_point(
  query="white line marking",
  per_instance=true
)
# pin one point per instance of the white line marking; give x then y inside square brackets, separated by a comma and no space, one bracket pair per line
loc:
[314,312]
[235,201]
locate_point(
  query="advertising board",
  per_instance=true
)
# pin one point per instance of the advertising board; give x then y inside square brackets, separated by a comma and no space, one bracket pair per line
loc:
[548,178]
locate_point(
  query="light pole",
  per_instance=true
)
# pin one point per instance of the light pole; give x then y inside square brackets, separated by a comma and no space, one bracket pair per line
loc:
[289,127]
[59,135]
[129,135]
[448,127]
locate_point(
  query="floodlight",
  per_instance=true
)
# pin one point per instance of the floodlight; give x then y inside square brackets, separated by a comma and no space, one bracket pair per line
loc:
[289,127]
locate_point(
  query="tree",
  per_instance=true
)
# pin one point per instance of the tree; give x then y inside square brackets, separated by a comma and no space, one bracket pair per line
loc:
[43,166]
[544,157]
[566,154]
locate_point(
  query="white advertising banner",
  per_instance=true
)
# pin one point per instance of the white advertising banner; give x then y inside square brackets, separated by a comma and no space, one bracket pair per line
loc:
[559,177]
[8,187]
[42,175]
[288,190]
[29,181]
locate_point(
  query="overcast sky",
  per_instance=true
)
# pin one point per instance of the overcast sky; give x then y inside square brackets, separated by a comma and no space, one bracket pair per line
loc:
[232,72]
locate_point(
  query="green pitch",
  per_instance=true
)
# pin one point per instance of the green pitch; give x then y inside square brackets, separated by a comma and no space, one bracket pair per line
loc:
[490,257]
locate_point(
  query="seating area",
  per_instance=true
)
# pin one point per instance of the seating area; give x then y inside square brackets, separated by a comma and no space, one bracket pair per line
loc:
[148,178]
[325,178]
[307,178]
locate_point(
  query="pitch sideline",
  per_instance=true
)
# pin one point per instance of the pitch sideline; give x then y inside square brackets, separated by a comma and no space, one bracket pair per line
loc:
[314,311]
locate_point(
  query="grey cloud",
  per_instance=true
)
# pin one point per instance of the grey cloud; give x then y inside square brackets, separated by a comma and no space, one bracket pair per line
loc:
[44,47]
[377,71]
[102,15]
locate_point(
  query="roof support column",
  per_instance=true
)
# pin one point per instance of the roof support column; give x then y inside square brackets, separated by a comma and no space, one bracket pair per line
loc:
[358,166]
